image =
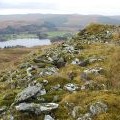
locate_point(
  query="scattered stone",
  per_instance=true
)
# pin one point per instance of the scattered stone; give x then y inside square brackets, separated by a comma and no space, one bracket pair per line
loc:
[83,63]
[50,59]
[56,87]
[11,117]
[45,82]
[69,49]
[91,85]
[55,98]
[47,107]
[75,61]
[42,92]
[86,116]
[71,87]
[48,71]
[3,109]
[93,60]
[48,117]
[60,63]
[76,111]
[95,71]
[29,71]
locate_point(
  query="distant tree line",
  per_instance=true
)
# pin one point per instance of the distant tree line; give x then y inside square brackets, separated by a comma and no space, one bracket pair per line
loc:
[31,29]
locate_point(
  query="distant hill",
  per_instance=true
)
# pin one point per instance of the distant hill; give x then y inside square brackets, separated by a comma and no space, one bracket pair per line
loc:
[72,22]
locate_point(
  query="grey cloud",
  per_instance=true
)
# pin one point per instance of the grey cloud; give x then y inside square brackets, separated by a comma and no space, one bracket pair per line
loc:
[30,5]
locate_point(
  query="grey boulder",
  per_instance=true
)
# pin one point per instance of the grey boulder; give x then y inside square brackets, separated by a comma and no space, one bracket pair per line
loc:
[27,93]
[36,108]
[29,107]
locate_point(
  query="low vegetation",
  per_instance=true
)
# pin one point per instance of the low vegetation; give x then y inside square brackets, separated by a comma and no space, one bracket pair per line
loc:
[81,75]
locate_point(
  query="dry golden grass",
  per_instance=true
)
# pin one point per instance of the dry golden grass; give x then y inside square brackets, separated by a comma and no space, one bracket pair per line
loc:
[11,57]
[114,69]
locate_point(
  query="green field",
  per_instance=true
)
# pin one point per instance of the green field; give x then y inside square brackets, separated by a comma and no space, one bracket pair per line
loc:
[50,35]
[57,33]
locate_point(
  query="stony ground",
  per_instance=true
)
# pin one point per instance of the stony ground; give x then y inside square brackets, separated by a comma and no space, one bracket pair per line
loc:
[75,80]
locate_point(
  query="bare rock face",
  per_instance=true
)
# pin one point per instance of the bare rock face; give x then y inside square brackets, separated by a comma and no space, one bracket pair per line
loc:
[27,93]
[36,108]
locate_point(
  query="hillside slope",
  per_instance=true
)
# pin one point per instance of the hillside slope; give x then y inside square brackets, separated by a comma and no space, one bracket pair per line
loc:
[72,22]
[75,80]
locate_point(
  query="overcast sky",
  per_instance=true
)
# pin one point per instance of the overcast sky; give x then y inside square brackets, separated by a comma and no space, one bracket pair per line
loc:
[102,7]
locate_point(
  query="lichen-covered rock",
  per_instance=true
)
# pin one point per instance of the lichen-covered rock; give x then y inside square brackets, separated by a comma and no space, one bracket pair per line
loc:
[91,85]
[76,111]
[36,108]
[86,116]
[29,92]
[29,107]
[98,107]
[95,59]
[69,49]
[95,71]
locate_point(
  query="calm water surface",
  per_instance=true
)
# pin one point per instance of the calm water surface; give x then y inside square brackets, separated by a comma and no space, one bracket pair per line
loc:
[25,42]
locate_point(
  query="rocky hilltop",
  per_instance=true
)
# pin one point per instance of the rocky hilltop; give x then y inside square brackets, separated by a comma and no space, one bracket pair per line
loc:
[75,80]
